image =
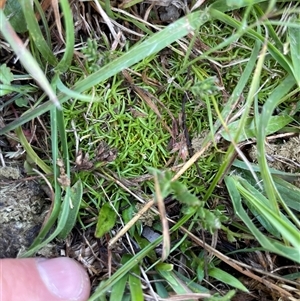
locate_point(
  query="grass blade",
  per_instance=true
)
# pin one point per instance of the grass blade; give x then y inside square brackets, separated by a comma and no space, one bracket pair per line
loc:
[36,33]
[146,48]
[66,60]
[276,53]
[27,61]
[294,37]
[263,120]
[270,245]
[31,153]
[76,197]
[106,285]
[226,278]
[118,290]
[229,5]
[135,284]
[166,271]
[224,114]
[262,205]
[275,124]
[57,125]
[106,220]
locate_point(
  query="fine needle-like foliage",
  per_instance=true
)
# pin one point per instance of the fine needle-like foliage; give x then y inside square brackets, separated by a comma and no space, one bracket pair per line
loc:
[170,141]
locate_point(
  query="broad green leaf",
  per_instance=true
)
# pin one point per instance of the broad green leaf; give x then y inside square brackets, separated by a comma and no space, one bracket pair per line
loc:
[177,283]
[76,196]
[251,194]
[226,278]
[21,102]
[106,220]
[38,243]
[135,284]
[127,215]
[178,286]
[292,276]
[288,194]
[14,13]
[117,291]
[237,3]
[6,89]
[6,76]
[20,89]
[275,124]
[164,267]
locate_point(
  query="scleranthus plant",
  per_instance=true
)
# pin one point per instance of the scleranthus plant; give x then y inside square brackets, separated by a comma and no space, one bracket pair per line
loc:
[121,134]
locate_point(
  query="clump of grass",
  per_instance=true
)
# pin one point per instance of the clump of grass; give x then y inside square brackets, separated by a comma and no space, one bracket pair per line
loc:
[124,137]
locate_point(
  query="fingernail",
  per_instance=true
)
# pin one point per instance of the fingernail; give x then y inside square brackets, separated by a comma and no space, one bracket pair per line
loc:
[63,277]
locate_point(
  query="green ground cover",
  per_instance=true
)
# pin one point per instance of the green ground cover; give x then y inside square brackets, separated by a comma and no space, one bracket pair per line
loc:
[186,119]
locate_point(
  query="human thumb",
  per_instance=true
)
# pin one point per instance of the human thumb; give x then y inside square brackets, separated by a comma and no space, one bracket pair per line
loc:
[43,279]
